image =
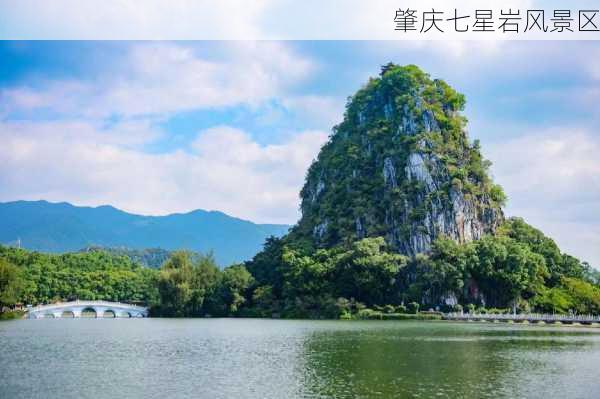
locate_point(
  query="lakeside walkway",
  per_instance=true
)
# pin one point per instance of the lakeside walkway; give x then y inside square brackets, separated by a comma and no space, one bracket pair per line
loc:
[524,318]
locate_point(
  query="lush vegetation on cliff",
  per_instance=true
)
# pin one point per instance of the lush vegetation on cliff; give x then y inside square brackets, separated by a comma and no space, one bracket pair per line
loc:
[398,164]
[399,208]
[517,268]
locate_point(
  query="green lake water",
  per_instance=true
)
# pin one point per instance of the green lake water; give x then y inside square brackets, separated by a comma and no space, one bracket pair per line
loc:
[253,358]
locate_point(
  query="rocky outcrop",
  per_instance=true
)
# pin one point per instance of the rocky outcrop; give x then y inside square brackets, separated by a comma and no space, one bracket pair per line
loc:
[400,166]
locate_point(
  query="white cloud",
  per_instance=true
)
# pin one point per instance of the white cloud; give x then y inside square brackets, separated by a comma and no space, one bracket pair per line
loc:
[117,19]
[222,20]
[81,153]
[320,110]
[169,78]
[227,171]
[552,179]
[165,78]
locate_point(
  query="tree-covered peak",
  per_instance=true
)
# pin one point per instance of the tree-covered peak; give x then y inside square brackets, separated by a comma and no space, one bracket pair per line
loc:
[404,89]
[400,166]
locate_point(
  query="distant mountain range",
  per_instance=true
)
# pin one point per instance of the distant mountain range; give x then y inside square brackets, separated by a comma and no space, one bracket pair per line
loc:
[62,227]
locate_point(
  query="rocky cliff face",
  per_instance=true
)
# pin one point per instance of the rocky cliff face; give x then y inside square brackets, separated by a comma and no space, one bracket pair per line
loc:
[401,166]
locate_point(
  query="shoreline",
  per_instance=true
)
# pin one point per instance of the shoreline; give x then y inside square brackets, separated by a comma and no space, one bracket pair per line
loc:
[409,319]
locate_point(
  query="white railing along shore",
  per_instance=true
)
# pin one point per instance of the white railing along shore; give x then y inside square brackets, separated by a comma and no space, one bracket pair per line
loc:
[524,316]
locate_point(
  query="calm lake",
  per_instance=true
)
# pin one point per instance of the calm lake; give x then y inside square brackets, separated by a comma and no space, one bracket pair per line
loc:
[247,358]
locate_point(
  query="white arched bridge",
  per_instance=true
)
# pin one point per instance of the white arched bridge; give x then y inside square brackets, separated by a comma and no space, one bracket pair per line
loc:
[97,309]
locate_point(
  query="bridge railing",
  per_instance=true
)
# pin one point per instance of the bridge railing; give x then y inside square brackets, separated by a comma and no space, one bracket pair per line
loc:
[524,316]
[86,303]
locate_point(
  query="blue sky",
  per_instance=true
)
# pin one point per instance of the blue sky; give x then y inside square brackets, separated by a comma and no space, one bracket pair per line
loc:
[162,127]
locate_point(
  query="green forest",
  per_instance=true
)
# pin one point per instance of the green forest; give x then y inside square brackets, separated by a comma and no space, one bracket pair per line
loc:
[518,267]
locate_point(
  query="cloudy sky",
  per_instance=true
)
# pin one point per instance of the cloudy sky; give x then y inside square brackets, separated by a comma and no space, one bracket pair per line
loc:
[162,127]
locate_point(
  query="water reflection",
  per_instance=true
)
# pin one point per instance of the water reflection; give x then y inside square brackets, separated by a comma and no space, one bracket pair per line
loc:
[225,358]
[452,360]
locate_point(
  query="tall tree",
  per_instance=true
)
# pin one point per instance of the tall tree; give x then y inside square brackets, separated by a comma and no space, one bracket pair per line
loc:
[11,283]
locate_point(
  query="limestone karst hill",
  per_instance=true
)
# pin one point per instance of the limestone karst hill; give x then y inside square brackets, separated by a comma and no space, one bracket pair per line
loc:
[401,166]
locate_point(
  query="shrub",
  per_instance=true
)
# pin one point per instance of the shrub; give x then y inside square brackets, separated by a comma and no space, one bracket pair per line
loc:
[413,308]
[343,306]
[431,312]
[12,314]
[388,309]
[345,316]
[404,316]
[498,311]
[358,305]
[365,313]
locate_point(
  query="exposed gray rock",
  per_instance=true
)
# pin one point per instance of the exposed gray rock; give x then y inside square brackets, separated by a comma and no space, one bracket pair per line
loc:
[416,169]
[361,118]
[360,233]
[388,110]
[429,122]
[409,123]
[320,187]
[389,173]
[317,191]
[417,202]
[449,299]
[320,229]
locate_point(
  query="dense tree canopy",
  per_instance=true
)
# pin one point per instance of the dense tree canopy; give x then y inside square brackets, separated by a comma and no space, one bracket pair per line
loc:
[11,284]
[364,271]
[92,275]
[519,268]
[187,284]
[196,287]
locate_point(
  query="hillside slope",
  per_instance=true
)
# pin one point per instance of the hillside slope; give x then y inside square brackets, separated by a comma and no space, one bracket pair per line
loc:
[62,227]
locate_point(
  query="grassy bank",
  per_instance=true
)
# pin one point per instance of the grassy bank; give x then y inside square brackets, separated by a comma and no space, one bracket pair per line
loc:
[11,315]
[368,314]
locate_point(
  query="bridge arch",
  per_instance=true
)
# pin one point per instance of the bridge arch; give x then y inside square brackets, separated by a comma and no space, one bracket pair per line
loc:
[109,314]
[67,314]
[89,312]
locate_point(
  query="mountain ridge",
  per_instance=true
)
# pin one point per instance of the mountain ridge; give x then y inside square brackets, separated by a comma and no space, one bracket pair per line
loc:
[63,227]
